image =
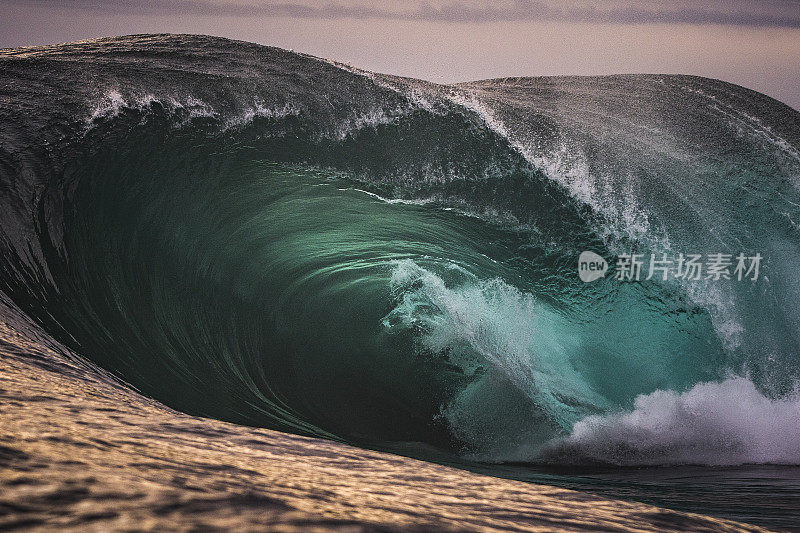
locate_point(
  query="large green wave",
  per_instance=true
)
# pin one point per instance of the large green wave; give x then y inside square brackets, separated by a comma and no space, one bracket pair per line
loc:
[383,261]
[270,293]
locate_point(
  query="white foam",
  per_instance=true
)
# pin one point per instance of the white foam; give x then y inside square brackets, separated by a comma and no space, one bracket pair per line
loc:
[108,106]
[392,201]
[567,165]
[111,104]
[259,109]
[197,108]
[716,423]
[489,322]
[371,118]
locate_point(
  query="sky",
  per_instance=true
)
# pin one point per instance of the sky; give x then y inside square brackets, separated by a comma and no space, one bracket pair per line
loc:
[753,43]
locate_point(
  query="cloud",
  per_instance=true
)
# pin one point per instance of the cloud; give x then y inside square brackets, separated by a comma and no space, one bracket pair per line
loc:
[777,13]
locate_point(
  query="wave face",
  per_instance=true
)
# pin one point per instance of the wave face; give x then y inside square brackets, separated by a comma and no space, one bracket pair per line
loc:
[267,238]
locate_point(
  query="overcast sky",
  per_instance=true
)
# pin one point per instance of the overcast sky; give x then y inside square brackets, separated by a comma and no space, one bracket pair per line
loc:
[753,43]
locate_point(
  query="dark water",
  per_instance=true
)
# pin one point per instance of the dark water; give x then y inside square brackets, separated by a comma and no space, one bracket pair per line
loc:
[262,237]
[767,495]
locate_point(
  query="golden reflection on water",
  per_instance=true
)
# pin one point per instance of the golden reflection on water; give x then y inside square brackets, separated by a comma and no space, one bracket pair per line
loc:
[79,451]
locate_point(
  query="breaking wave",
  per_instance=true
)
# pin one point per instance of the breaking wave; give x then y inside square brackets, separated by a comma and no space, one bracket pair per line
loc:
[263,237]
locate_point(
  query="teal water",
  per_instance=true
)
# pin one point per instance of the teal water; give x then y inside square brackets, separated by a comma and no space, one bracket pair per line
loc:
[274,294]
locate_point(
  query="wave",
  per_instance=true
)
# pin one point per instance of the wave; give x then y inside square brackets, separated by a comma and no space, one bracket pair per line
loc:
[263,237]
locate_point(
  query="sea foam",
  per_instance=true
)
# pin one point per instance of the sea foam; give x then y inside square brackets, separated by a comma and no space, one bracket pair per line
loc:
[716,423]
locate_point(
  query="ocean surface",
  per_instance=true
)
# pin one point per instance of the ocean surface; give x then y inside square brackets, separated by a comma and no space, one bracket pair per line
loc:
[267,238]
